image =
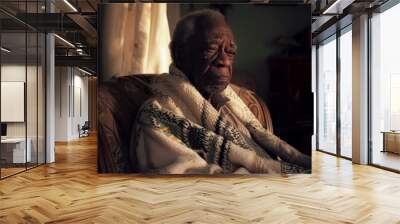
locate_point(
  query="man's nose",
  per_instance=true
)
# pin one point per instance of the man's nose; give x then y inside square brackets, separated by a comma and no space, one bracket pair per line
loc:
[223,58]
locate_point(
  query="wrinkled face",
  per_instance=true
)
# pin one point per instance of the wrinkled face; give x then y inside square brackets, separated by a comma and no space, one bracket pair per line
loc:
[209,58]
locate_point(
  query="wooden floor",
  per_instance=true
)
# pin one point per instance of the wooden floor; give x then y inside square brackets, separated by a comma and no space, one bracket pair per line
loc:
[70,191]
[5,172]
[10,171]
[387,159]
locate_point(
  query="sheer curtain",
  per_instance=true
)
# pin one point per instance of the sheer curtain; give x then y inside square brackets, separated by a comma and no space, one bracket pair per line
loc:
[135,39]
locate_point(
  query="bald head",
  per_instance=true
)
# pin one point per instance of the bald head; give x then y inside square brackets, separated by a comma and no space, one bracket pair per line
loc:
[203,48]
[191,26]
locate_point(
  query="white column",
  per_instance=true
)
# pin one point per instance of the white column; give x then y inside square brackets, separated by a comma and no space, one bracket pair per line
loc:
[360,90]
[50,92]
[50,99]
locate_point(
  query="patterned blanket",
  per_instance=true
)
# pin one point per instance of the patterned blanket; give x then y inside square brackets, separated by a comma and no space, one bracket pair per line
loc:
[178,131]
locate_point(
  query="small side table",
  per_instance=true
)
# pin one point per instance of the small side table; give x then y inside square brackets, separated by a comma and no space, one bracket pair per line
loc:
[391,141]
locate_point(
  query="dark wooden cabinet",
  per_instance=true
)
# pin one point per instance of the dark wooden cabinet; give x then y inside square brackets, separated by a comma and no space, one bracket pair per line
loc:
[291,100]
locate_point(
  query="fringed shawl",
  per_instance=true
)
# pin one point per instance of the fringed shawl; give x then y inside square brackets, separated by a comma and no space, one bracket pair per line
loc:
[179,131]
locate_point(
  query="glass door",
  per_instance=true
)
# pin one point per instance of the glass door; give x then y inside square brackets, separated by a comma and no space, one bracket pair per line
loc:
[14,153]
[345,93]
[385,89]
[22,78]
[326,84]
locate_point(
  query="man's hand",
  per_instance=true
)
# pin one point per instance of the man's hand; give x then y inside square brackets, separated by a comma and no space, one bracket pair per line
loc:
[253,162]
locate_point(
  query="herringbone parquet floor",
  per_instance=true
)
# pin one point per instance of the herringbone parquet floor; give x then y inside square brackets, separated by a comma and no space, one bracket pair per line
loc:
[70,191]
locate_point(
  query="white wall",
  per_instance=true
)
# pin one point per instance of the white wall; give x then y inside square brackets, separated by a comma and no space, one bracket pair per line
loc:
[62,81]
[71,94]
[79,104]
[33,127]
[14,72]
[17,72]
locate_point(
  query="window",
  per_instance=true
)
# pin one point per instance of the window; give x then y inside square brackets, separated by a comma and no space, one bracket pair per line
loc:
[346,93]
[385,88]
[327,96]
[334,106]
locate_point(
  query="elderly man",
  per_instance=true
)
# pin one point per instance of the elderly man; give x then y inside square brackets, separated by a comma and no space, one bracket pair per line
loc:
[196,123]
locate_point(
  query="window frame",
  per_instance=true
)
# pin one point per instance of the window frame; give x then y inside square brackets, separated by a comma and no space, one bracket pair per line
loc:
[378,10]
[333,37]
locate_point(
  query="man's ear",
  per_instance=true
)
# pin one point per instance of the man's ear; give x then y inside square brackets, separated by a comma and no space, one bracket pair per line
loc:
[178,56]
